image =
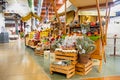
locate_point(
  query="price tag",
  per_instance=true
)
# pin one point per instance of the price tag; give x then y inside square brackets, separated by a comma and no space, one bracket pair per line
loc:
[83,51]
[80,46]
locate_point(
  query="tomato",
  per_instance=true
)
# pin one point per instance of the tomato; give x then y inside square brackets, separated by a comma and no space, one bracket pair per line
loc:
[92,24]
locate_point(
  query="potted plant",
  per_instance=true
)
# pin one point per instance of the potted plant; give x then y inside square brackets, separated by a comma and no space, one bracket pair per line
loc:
[85,47]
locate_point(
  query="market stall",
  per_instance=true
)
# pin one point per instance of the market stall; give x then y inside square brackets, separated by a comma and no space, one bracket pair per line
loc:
[75,50]
[100,33]
[101,42]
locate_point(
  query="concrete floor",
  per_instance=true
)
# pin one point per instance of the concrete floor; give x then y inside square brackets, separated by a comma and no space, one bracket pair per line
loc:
[18,62]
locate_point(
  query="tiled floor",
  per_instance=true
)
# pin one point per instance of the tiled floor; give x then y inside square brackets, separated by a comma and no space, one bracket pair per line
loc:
[18,62]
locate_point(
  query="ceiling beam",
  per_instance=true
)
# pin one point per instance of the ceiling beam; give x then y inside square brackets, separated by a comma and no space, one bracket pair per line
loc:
[94,6]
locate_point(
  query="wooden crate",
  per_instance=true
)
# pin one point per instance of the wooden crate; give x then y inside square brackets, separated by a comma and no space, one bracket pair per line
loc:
[39,52]
[68,70]
[32,44]
[26,41]
[83,69]
[59,55]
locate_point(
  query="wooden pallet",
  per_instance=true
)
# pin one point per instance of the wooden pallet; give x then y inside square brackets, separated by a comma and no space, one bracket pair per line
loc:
[59,55]
[39,52]
[68,70]
[83,69]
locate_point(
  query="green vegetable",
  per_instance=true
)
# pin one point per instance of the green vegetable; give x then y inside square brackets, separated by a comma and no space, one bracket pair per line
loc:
[86,44]
[94,38]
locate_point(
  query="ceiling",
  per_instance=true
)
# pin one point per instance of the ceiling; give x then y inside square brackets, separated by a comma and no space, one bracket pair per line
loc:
[21,7]
[17,6]
[47,4]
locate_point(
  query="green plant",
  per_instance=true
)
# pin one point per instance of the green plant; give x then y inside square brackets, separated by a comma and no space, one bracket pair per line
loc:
[21,34]
[85,45]
[56,44]
[85,27]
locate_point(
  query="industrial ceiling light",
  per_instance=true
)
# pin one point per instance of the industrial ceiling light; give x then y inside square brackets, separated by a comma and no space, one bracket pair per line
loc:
[60,2]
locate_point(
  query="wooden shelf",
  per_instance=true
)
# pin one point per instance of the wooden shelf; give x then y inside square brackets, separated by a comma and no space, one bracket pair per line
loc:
[59,55]
[68,70]
[83,69]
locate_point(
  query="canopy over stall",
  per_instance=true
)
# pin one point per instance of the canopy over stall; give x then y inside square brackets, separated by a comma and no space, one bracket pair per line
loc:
[89,3]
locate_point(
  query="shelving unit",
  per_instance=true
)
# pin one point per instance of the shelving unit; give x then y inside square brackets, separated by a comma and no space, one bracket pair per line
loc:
[75,29]
[92,29]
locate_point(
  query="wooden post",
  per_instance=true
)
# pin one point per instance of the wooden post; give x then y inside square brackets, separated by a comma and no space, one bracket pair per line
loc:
[101,34]
[65,15]
[106,21]
[76,14]
[54,7]
[106,9]
[106,27]
[108,17]
[99,17]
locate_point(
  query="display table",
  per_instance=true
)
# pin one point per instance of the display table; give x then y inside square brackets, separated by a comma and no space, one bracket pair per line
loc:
[68,70]
[83,69]
[4,37]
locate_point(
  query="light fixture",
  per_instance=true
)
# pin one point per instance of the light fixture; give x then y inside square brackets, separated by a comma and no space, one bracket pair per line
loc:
[60,2]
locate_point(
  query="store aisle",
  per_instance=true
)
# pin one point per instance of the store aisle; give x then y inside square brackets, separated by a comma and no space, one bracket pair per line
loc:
[17,64]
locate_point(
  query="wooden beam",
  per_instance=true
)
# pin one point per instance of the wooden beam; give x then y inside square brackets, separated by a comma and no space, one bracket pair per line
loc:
[76,15]
[65,15]
[54,7]
[94,6]
[105,31]
[50,9]
[48,3]
[99,18]
[107,21]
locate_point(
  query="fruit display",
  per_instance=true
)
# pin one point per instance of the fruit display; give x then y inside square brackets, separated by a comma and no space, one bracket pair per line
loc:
[92,24]
[88,28]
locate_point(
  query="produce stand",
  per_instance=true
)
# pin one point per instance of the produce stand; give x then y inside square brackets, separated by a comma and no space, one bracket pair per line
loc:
[68,51]
[30,40]
[101,42]
[35,37]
